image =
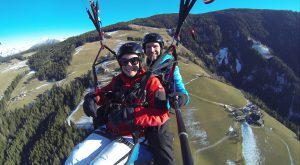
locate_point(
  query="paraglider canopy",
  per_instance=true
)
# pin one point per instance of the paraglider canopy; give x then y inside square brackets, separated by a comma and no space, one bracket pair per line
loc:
[208,1]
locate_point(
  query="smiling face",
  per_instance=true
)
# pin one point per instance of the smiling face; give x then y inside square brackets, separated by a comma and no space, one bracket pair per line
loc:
[152,50]
[130,64]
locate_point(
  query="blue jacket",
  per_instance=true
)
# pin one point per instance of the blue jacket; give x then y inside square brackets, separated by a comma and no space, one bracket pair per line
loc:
[179,85]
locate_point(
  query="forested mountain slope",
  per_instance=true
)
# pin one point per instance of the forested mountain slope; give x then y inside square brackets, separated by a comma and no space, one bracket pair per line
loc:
[256,50]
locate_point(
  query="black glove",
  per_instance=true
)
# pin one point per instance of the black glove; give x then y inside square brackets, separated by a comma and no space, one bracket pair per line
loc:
[89,105]
[124,115]
[108,95]
[182,99]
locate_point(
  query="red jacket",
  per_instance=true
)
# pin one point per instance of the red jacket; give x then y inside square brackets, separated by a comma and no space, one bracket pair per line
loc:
[143,116]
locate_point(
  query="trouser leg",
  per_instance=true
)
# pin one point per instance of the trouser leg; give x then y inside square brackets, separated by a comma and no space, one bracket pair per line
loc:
[161,142]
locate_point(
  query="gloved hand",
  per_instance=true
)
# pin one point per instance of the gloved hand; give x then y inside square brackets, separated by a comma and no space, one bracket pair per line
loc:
[182,99]
[109,95]
[89,105]
[124,115]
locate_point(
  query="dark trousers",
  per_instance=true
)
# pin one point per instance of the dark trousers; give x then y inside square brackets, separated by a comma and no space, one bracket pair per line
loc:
[161,143]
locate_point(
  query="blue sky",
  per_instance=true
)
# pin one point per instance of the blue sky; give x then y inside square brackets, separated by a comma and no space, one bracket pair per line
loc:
[25,22]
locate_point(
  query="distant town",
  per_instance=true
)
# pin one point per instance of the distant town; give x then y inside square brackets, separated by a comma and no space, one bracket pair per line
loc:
[249,113]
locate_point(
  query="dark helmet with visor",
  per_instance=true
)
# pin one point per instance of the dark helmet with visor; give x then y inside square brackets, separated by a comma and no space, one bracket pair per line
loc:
[130,47]
[153,37]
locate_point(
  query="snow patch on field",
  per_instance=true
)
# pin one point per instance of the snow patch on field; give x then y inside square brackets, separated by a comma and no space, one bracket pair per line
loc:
[238,66]
[30,73]
[41,86]
[15,66]
[78,49]
[197,134]
[263,50]
[85,122]
[222,57]
[113,32]
[73,112]
[251,151]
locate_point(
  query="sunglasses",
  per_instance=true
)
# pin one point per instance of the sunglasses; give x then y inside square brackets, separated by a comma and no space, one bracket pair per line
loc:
[133,61]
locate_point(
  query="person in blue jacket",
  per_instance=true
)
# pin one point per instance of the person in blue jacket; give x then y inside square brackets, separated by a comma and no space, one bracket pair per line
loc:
[153,45]
[159,137]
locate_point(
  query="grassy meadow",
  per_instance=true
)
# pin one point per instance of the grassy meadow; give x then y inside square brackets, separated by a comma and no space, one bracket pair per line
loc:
[209,117]
[8,74]
[31,88]
[277,141]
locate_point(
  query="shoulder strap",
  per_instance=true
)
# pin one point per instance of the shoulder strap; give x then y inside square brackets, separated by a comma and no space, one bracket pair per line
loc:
[141,90]
[119,82]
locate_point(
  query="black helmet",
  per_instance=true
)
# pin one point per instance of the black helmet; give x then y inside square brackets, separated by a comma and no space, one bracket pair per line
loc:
[153,37]
[130,47]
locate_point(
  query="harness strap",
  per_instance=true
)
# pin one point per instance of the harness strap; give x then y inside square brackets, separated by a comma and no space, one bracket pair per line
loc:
[102,131]
[129,97]
[125,141]
[126,155]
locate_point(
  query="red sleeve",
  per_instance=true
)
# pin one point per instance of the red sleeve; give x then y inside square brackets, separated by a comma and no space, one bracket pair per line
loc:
[151,115]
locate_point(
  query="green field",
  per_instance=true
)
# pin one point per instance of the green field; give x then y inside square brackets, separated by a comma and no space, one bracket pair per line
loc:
[215,132]
[6,79]
[276,141]
[211,118]
[7,75]
[31,88]
[83,60]
[208,88]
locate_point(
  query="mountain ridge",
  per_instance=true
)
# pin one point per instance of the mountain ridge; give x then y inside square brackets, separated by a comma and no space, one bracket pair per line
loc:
[45,42]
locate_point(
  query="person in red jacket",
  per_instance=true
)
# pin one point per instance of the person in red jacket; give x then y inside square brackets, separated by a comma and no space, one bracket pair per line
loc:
[126,113]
